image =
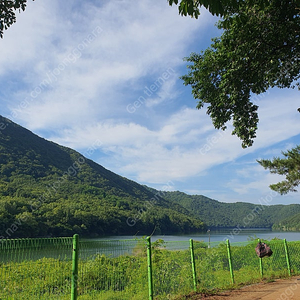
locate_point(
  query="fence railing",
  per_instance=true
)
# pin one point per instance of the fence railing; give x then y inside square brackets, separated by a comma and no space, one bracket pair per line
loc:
[64,268]
[35,268]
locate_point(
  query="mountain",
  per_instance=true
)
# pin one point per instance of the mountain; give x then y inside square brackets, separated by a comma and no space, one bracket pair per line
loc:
[217,214]
[50,190]
[288,224]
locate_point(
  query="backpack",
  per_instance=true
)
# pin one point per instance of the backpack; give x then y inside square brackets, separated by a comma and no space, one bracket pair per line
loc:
[262,250]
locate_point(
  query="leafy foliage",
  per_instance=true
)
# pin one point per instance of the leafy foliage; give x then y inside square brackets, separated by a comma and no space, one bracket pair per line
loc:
[8,10]
[259,49]
[289,166]
[216,7]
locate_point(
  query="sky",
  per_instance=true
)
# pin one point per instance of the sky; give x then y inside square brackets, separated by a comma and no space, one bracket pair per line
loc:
[103,78]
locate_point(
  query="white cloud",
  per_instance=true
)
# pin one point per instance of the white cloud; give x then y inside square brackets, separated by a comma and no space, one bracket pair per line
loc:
[253,178]
[20,47]
[184,145]
[279,118]
[135,41]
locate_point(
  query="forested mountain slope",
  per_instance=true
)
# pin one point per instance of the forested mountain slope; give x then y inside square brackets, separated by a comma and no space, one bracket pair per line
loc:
[217,214]
[289,224]
[50,190]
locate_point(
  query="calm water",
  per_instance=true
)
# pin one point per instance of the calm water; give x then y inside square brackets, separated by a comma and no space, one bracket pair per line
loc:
[233,235]
[113,246]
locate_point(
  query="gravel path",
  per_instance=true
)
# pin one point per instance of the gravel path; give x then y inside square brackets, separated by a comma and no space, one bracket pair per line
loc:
[280,289]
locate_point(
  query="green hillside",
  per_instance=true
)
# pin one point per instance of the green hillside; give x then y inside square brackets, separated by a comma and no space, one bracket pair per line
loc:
[288,224]
[50,190]
[217,214]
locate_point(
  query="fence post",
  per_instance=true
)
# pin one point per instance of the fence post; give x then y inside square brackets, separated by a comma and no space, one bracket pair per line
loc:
[287,256]
[230,261]
[261,265]
[193,264]
[149,260]
[74,267]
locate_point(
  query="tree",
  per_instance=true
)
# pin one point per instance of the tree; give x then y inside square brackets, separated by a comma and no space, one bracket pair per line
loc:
[8,10]
[215,7]
[288,166]
[258,49]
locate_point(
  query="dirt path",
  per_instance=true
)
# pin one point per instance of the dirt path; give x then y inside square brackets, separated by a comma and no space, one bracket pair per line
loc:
[281,289]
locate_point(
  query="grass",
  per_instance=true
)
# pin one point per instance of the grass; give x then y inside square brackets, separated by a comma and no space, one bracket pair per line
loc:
[126,276]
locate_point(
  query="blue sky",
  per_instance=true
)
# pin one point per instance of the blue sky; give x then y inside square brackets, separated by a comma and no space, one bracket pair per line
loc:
[102,77]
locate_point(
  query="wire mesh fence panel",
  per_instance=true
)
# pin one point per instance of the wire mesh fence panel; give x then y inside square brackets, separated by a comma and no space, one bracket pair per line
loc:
[18,250]
[112,269]
[275,266]
[172,270]
[212,265]
[35,268]
[118,269]
[245,262]
[294,257]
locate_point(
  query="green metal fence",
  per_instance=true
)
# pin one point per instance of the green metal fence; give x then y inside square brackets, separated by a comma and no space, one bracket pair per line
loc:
[64,268]
[35,268]
[112,269]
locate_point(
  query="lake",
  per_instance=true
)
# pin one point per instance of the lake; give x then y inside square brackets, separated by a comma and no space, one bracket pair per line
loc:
[233,235]
[113,246]
[118,245]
